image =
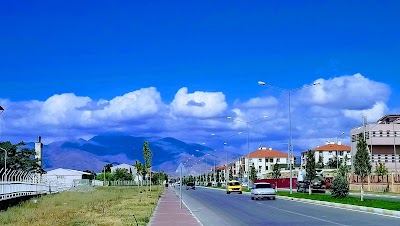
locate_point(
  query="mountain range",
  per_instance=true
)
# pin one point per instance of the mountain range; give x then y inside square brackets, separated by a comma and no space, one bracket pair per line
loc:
[95,153]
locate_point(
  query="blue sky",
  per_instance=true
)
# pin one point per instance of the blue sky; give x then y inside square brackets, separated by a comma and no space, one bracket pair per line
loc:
[74,69]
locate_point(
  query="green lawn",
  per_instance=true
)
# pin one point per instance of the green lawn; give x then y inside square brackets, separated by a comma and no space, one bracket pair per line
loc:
[389,205]
[94,206]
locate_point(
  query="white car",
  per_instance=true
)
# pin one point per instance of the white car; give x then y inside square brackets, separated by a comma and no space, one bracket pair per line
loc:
[262,190]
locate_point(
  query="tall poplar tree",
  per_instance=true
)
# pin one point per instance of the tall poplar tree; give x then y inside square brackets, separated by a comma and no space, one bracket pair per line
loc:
[147,155]
[362,164]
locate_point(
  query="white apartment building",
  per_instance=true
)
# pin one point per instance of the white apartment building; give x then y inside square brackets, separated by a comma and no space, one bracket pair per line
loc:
[262,159]
[329,151]
[383,140]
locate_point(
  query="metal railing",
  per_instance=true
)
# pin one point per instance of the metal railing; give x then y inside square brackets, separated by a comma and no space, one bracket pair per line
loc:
[19,183]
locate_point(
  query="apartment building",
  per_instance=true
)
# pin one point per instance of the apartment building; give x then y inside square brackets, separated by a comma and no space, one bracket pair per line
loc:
[262,159]
[383,139]
[329,151]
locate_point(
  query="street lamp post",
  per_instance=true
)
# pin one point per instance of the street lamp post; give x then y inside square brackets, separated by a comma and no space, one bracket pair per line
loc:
[337,151]
[248,145]
[288,91]
[5,151]
[225,143]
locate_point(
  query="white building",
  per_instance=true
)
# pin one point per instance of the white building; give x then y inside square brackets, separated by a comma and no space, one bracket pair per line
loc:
[329,151]
[131,169]
[263,160]
[64,177]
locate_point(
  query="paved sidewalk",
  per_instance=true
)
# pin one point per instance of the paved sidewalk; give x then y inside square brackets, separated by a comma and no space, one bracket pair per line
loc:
[169,212]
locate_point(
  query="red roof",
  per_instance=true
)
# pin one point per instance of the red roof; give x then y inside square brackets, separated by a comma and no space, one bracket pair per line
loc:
[333,147]
[267,153]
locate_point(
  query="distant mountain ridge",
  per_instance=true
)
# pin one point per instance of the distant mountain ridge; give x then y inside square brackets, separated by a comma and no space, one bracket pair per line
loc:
[95,153]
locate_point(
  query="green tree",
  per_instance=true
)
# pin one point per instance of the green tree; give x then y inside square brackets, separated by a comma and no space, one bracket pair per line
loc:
[230,174]
[138,166]
[362,165]
[321,164]
[381,170]
[92,175]
[217,176]
[310,168]
[122,174]
[253,174]
[332,164]
[19,157]
[147,159]
[276,173]
[340,186]
[107,167]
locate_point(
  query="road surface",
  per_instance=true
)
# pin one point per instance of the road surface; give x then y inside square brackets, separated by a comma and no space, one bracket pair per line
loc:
[215,207]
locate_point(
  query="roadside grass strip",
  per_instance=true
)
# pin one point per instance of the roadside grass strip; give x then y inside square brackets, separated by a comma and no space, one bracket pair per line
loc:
[385,207]
[94,206]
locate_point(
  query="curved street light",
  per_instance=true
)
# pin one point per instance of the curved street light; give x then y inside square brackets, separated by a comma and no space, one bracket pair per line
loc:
[289,91]
[225,143]
[337,151]
[248,145]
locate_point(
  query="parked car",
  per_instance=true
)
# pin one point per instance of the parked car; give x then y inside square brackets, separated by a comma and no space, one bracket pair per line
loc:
[234,186]
[190,185]
[262,190]
[317,185]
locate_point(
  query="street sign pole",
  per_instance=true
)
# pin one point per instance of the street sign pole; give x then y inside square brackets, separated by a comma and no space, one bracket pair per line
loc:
[180,189]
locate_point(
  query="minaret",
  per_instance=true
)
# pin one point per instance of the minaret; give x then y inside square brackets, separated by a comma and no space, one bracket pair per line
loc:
[38,150]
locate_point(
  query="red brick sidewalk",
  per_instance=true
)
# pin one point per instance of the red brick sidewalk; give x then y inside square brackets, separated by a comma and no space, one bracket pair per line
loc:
[169,212]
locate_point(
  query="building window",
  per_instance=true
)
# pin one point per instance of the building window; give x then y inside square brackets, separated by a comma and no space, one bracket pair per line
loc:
[266,167]
[341,153]
[386,160]
[259,169]
[330,152]
[271,160]
[278,160]
[380,133]
[259,160]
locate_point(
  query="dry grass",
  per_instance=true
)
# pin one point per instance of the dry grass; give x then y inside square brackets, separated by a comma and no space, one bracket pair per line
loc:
[101,206]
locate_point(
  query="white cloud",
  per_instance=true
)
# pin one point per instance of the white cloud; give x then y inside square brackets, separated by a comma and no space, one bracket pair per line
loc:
[346,92]
[372,114]
[259,102]
[136,104]
[198,104]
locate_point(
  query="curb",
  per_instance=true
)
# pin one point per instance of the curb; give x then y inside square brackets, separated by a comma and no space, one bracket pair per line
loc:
[392,213]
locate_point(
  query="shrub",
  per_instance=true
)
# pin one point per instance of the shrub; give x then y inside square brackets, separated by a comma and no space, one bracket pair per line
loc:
[339,187]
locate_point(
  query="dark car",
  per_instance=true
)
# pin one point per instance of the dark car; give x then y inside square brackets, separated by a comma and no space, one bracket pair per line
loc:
[190,185]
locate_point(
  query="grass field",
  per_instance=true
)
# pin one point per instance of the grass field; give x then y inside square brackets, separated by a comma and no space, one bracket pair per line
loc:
[92,206]
[383,204]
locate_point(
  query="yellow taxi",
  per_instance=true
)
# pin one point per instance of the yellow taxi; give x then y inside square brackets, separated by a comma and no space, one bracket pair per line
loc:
[234,186]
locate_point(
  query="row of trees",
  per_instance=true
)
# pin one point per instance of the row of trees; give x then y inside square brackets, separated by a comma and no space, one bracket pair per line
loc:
[142,170]
[362,168]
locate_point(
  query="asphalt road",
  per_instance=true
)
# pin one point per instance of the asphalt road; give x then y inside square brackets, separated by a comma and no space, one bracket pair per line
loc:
[215,207]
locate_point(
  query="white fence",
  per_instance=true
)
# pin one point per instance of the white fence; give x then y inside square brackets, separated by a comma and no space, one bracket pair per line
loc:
[17,183]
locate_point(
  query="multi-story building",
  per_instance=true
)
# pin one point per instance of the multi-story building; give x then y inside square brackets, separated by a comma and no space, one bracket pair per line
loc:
[383,139]
[263,161]
[327,152]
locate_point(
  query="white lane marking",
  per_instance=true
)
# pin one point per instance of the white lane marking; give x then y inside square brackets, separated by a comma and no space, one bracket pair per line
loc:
[316,218]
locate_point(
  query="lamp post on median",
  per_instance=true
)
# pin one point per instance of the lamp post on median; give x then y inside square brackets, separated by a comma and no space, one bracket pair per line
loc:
[289,91]
[337,151]
[248,145]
